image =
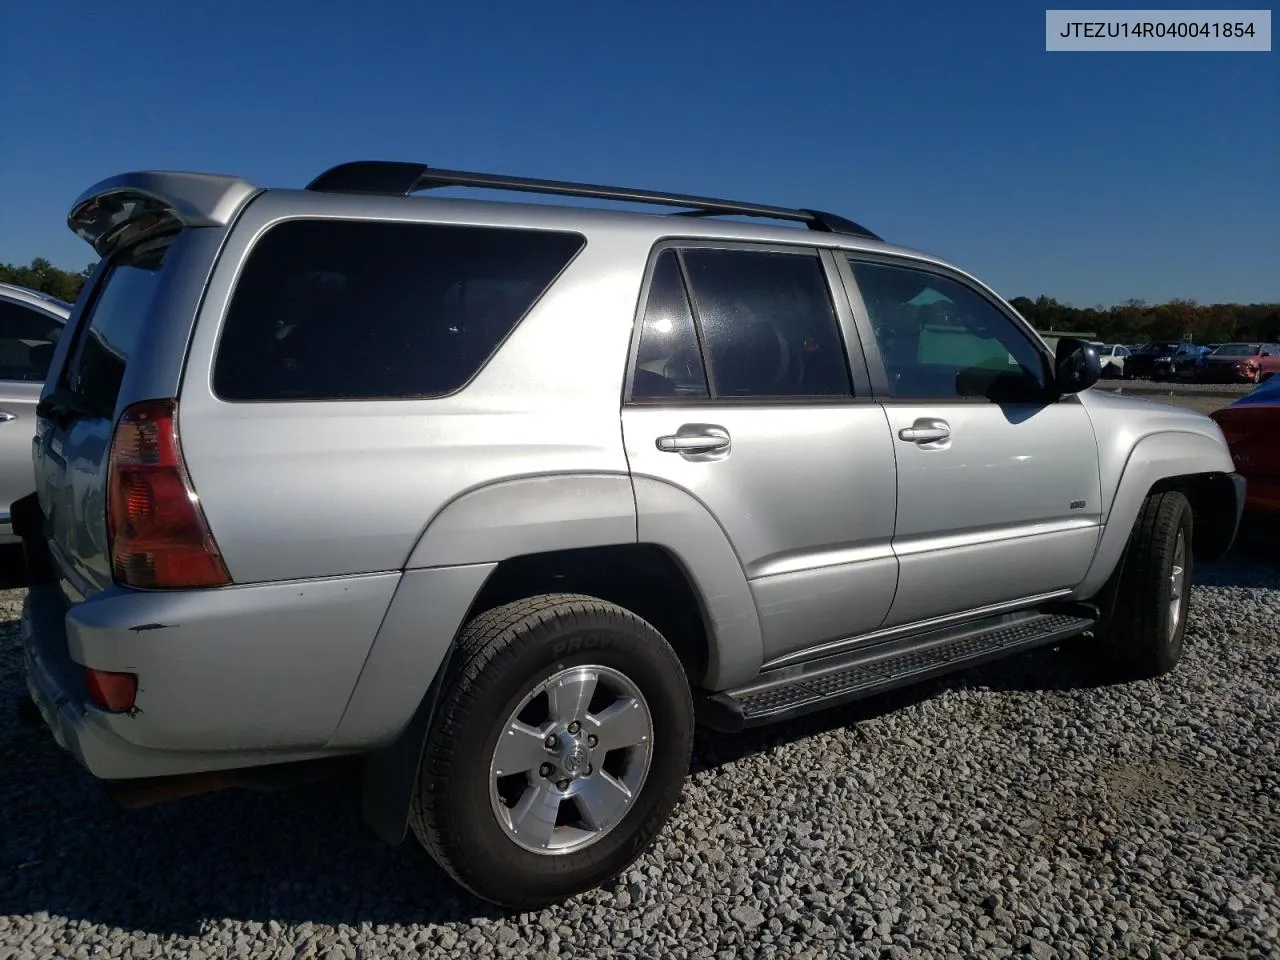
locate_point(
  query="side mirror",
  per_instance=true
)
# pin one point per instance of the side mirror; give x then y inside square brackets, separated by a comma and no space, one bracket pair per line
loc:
[1076,366]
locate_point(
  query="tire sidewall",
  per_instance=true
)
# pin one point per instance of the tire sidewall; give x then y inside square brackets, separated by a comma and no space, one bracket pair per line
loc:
[1170,644]
[635,650]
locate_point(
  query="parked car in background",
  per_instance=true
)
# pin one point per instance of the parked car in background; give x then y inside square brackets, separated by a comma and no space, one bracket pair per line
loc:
[1252,428]
[1239,363]
[1113,357]
[1163,360]
[30,324]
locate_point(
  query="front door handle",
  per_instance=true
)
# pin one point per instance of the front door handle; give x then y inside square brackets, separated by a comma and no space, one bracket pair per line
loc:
[690,440]
[926,431]
[6,416]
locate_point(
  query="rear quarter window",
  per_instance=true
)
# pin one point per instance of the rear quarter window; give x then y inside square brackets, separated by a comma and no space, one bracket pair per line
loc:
[365,310]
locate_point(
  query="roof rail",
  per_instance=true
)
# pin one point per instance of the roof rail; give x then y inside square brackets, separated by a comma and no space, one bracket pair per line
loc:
[401,179]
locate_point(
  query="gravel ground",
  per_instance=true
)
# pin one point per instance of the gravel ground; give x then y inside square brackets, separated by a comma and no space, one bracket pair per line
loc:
[1177,387]
[1018,809]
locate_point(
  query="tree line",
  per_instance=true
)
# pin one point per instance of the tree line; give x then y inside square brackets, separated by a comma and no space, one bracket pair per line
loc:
[1133,321]
[42,275]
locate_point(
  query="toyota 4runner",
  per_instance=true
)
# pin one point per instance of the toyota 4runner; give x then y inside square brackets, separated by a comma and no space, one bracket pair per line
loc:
[497,498]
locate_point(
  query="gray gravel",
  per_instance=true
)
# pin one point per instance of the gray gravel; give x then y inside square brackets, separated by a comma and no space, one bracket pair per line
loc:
[1176,387]
[1016,810]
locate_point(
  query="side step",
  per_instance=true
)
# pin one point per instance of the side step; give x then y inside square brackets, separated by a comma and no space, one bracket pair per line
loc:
[818,684]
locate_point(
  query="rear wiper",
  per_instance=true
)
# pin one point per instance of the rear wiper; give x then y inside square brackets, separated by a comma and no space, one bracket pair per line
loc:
[62,407]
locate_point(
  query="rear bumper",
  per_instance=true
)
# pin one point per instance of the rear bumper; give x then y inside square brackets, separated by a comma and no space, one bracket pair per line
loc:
[227,679]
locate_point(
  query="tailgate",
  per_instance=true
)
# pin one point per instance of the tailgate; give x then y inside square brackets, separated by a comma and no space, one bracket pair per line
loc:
[78,412]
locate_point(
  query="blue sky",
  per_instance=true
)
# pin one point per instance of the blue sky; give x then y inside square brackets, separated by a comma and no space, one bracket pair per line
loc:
[1090,177]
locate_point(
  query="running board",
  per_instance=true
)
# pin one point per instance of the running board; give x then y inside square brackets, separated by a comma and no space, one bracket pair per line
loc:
[818,684]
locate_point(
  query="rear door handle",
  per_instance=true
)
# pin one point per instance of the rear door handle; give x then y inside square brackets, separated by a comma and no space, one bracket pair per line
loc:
[926,431]
[695,440]
[6,416]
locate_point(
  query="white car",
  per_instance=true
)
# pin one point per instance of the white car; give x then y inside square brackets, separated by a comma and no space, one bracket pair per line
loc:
[1113,357]
[30,324]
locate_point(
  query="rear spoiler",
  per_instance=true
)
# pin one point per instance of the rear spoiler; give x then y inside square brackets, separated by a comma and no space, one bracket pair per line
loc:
[134,205]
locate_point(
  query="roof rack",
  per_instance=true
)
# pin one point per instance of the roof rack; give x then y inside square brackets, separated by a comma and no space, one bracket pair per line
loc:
[401,179]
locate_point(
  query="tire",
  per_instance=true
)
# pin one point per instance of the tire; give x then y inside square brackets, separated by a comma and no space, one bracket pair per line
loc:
[470,818]
[1145,633]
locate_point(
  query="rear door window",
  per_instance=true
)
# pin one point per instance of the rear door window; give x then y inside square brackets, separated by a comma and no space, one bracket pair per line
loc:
[349,310]
[768,324]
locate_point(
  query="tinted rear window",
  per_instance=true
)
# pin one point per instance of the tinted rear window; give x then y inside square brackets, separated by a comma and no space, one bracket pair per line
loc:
[346,310]
[104,345]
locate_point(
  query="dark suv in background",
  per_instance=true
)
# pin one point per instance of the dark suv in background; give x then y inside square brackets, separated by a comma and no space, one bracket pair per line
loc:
[1164,360]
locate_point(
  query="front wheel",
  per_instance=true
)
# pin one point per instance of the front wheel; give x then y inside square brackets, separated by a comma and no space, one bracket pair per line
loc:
[1145,633]
[558,752]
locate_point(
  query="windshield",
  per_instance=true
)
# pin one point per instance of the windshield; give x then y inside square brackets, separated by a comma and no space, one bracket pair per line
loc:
[1238,350]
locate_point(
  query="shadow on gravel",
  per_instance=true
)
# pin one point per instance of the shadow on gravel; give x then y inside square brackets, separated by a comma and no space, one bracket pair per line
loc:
[1045,669]
[301,857]
[12,575]
[1254,560]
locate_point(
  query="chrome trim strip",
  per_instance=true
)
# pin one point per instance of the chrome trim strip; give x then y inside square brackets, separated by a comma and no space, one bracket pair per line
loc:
[803,561]
[920,626]
[798,562]
[932,544]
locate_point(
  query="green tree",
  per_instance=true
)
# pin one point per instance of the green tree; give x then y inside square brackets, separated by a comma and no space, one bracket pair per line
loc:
[43,276]
[1136,321]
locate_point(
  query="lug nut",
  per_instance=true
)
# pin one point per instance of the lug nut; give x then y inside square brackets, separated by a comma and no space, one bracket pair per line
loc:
[546,769]
[563,784]
[575,727]
[552,742]
[592,740]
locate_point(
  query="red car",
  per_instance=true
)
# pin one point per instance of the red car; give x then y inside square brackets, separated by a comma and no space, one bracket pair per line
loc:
[1252,428]
[1239,363]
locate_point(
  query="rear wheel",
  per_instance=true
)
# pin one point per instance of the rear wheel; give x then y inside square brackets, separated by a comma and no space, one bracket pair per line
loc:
[1145,634]
[558,751]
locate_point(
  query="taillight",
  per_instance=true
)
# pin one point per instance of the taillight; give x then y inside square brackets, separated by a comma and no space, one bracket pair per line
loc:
[159,538]
[111,691]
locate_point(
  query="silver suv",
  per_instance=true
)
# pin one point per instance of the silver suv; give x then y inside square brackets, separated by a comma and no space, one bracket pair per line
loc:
[498,497]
